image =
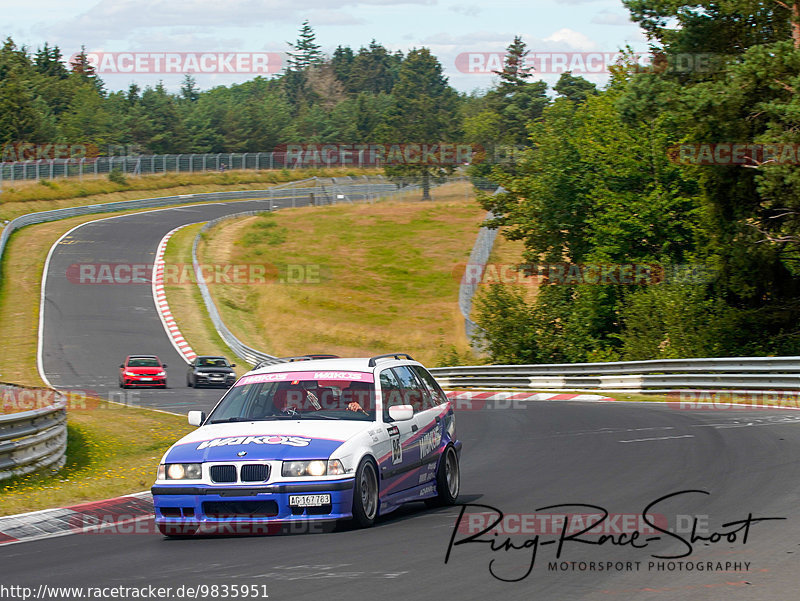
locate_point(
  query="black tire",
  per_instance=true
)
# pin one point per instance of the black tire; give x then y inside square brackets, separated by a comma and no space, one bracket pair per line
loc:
[177,530]
[448,479]
[365,494]
[189,382]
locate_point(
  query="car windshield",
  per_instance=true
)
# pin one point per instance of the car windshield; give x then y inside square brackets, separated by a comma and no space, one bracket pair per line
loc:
[143,362]
[212,362]
[299,395]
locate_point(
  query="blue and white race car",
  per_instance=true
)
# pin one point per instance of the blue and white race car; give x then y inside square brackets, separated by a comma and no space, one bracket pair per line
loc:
[327,439]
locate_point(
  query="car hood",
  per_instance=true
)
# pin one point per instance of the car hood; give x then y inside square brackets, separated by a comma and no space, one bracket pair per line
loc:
[214,370]
[275,440]
[145,371]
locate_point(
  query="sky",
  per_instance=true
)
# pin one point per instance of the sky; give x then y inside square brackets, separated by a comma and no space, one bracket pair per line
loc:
[226,41]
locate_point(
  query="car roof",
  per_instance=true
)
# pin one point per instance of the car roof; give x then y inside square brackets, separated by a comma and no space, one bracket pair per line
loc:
[343,364]
[210,357]
[142,357]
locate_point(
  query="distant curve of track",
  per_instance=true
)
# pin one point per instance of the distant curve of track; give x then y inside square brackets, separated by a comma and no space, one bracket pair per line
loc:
[88,329]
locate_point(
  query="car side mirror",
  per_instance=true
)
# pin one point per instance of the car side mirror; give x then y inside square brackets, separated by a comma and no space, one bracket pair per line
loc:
[401,413]
[122,366]
[164,365]
[233,365]
[196,417]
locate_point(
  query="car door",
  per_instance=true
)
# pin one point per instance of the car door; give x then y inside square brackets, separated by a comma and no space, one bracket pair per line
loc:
[425,442]
[436,406]
[397,462]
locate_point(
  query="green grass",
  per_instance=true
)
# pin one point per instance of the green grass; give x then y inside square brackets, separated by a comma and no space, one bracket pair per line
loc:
[104,458]
[364,269]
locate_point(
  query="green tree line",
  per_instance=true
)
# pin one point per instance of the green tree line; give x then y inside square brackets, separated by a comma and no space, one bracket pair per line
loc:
[594,180]
[607,179]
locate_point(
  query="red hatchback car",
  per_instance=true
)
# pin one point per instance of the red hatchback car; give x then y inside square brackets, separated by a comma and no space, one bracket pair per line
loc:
[142,370]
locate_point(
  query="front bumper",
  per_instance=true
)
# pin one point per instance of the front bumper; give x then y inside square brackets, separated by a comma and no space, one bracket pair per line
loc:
[225,509]
[139,381]
[205,380]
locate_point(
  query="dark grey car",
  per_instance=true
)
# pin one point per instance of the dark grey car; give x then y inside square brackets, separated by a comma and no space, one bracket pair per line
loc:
[209,370]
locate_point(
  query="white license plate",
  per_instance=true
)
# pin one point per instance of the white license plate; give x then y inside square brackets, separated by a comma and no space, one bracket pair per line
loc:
[145,379]
[309,500]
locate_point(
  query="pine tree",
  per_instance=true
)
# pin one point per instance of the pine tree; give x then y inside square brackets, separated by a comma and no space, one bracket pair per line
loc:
[49,61]
[514,73]
[306,51]
[189,90]
[425,112]
[80,66]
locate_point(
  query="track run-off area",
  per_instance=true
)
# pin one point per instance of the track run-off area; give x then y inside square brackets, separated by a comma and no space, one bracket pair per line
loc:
[712,482]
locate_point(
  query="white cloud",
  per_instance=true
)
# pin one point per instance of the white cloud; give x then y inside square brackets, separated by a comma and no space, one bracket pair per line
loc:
[572,39]
[123,19]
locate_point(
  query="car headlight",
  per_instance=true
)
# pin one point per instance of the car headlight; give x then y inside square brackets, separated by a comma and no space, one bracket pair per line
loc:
[129,373]
[183,471]
[161,373]
[315,467]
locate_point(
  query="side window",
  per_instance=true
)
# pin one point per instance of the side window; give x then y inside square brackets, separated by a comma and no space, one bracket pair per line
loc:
[391,392]
[437,394]
[414,393]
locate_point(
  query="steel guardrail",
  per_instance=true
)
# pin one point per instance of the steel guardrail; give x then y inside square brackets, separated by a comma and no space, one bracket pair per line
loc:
[722,373]
[467,288]
[34,439]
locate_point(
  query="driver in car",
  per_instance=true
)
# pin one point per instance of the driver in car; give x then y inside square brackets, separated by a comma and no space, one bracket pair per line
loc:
[357,391]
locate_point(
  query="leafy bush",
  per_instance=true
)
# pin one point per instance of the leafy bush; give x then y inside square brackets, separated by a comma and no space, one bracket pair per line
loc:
[116,176]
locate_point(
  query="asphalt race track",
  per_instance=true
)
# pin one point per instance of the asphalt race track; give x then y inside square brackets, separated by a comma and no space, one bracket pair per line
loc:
[89,329]
[518,459]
